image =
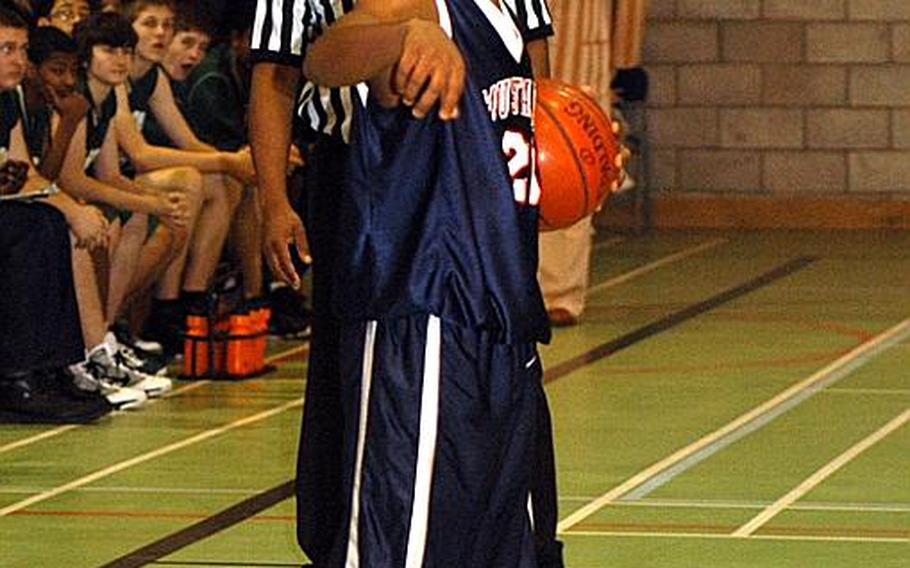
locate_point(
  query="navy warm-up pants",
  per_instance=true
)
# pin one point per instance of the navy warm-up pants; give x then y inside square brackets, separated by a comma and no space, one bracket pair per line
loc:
[39,316]
[320,501]
[440,429]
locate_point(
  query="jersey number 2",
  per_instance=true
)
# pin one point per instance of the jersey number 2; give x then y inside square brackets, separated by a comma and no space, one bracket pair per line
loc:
[521,157]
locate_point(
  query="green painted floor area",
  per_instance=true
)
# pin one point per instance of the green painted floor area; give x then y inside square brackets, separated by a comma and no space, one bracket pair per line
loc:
[83,497]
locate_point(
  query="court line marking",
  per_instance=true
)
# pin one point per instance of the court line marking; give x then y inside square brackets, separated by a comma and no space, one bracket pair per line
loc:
[302,348]
[63,429]
[238,564]
[881,540]
[651,267]
[205,528]
[36,438]
[148,456]
[116,489]
[644,503]
[818,382]
[244,564]
[176,392]
[564,368]
[698,447]
[857,392]
[747,505]
[821,475]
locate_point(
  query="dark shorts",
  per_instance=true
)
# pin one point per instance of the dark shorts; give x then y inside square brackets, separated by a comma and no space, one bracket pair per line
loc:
[440,426]
[112,214]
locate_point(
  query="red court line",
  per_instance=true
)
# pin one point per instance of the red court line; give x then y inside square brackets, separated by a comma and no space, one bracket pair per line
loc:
[778,363]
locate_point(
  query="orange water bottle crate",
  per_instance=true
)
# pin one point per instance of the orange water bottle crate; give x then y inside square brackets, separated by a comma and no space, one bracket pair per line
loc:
[226,346]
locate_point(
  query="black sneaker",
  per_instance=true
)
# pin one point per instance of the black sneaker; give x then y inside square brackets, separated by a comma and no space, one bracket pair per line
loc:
[166,324]
[290,316]
[39,398]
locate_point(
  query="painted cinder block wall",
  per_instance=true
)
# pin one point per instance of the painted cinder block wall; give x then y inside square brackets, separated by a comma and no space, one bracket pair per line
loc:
[780,97]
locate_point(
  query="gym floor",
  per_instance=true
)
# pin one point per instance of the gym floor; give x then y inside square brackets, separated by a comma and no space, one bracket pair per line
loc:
[731,399]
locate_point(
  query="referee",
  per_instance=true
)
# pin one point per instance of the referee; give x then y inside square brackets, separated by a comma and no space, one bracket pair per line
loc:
[282,30]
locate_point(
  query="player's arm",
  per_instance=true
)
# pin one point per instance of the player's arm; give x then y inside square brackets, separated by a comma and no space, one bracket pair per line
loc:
[148,157]
[399,47]
[86,223]
[74,180]
[272,101]
[18,157]
[172,121]
[70,111]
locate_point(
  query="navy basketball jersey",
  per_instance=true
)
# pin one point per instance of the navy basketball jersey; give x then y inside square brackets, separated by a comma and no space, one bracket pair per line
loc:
[140,92]
[441,217]
[98,122]
[9,118]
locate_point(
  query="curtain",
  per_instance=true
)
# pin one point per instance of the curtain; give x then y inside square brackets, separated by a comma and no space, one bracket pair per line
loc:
[594,37]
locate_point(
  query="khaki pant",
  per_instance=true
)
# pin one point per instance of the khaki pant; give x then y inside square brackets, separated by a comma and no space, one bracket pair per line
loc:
[565,260]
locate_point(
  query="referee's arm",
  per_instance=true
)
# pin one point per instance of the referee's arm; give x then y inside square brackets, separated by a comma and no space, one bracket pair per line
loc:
[277,52]
[538,28]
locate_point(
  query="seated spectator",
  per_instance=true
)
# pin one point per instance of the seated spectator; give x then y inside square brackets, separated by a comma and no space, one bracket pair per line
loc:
[91,172]
[202,79]
[183,285]
[50,90]
[40,334]
[61,14]
[104,5]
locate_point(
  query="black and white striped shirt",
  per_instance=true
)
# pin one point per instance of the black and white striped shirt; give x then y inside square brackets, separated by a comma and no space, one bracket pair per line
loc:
[282,29]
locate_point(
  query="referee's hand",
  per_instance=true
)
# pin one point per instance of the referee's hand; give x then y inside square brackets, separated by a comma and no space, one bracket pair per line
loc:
[282,230]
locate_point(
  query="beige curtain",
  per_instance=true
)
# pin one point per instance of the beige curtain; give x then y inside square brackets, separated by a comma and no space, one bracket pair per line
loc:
[593,37]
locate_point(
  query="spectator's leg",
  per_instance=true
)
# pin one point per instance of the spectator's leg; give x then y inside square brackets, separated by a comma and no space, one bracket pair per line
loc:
[246,237]
[565,258]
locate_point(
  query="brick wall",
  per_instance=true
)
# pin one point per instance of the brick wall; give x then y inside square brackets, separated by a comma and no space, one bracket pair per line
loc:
[780,96]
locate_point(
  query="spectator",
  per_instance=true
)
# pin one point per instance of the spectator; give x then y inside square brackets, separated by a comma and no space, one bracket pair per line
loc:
[37,304]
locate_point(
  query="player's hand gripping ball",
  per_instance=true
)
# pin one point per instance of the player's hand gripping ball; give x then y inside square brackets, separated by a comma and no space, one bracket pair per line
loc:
[578,153]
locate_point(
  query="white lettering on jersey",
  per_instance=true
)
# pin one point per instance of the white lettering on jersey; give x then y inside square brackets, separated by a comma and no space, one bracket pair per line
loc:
[139,116]
[91,156]
[513,96]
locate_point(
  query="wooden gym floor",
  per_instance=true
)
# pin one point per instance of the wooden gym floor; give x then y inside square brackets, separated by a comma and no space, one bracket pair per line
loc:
[731,399]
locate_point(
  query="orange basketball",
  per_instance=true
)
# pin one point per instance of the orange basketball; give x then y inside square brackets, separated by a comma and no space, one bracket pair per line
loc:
[576,153]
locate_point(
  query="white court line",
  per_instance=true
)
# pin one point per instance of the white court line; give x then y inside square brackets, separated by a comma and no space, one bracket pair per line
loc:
[651,267]
[710,536]
[746,505]
[185,389]
[848,361]
[852,391]
[821,475]
[36,438]
[63,429]
[148,456]
[116,489]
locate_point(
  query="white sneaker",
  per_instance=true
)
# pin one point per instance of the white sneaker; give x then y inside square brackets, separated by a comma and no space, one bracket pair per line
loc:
[89,376]
[127,356]
[118,364]
[148,346]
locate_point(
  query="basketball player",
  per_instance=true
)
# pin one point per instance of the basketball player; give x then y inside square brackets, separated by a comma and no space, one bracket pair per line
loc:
[436,266]
[277,51]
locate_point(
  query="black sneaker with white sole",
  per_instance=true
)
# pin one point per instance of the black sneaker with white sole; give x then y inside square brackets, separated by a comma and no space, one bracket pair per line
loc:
[38,398]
